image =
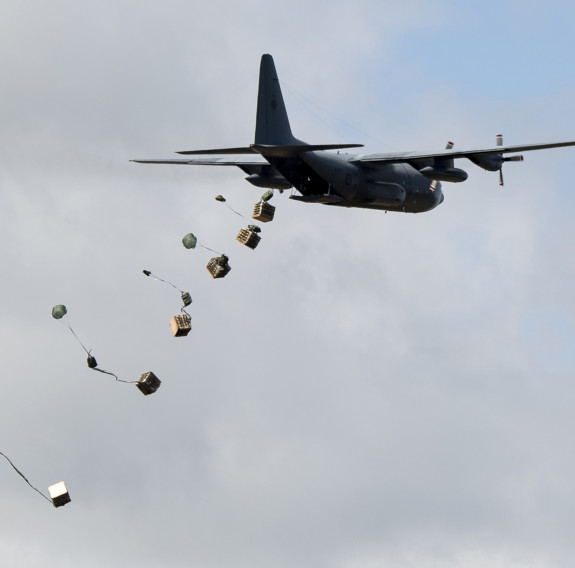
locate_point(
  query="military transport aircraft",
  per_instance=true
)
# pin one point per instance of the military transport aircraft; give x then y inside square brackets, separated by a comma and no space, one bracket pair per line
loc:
[399,181]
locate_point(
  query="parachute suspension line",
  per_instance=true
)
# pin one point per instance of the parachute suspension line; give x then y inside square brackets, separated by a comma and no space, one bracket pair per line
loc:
[58,312]
[222,199]
[67,324]
[113,375]
[186,298]
[93,364]
[232,209]
[212,250]
[148,273]
[183,308]
[24,477]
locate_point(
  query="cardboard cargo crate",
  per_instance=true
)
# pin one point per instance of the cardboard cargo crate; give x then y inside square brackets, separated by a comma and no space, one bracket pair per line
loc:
[263,211]
[217,267]
[249,238]
[181,325]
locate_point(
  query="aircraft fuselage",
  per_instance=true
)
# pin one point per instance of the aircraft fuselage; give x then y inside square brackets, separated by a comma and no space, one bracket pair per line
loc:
[334,179]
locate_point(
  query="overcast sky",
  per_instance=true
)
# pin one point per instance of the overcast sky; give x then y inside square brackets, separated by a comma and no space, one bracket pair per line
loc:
[362,390]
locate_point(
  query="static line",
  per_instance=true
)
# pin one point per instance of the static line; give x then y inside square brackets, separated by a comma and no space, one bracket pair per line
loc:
[24,477]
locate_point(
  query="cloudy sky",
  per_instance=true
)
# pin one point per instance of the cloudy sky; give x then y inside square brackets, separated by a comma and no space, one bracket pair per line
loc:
[362,390]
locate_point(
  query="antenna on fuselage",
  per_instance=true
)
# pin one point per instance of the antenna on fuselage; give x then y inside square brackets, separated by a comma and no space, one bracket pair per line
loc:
[433,185]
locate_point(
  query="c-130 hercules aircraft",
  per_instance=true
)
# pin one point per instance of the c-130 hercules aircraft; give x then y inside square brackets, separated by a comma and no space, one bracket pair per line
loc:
[400,181]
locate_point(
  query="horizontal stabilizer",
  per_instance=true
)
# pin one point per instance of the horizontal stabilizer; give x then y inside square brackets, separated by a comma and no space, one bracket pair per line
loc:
[271,149]
[295,149]
[242,150]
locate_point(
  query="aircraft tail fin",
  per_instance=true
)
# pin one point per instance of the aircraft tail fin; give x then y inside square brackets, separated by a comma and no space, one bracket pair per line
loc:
[272,123]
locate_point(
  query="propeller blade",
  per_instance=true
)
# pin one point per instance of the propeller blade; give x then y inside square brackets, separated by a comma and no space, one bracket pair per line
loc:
[499,142]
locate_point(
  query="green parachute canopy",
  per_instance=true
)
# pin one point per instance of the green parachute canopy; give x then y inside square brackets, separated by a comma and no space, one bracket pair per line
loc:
[190,241]
[59,311]
[220,198]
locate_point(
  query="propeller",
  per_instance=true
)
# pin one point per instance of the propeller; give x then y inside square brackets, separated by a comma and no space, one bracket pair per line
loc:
[499,142]
[433,185]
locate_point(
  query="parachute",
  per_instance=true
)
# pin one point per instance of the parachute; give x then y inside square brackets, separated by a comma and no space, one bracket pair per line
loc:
[190,241]
[267,195]
[58,312]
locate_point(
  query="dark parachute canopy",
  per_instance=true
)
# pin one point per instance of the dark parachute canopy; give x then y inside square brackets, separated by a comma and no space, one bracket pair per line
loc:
[59,311]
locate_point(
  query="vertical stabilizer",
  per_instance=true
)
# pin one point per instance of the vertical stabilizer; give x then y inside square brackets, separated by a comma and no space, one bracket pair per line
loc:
[272,123]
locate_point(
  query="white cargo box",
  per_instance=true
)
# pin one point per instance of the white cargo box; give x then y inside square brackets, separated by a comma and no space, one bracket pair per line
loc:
[59,494]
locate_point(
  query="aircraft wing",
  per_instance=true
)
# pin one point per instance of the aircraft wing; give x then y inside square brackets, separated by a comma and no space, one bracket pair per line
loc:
[395,157]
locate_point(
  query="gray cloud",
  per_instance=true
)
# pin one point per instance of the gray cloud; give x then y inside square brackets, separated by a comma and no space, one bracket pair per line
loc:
[361,390]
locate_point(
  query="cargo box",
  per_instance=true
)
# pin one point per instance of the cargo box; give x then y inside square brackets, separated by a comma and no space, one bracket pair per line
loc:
[59,494]
[249,238]
[218,267]
[263,211]
[148,383]
[181,325]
